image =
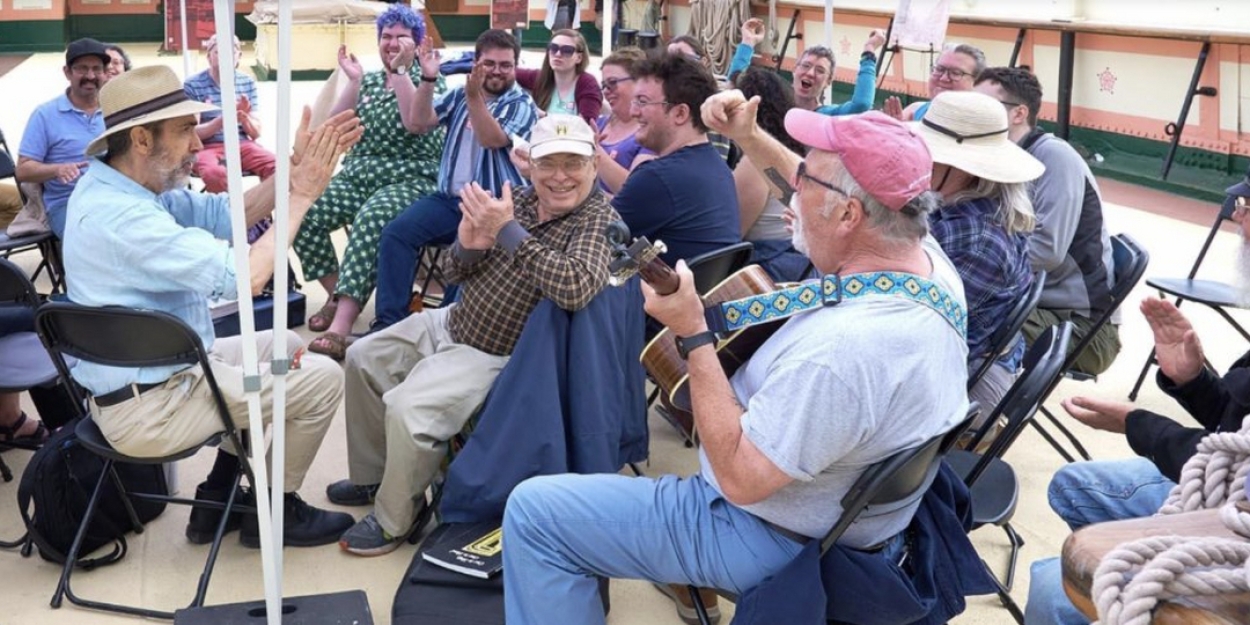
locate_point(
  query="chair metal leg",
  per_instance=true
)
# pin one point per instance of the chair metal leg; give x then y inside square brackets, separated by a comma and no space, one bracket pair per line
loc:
[699,609]
[135,524]
[1005,597]
[633,466]
[1141,377]
[1017,542]
[62,586]
[1076,443]
[5,471]
[1050,439]
[201,591]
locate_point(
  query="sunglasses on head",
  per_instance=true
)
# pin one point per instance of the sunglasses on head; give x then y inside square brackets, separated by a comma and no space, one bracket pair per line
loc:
[562,50]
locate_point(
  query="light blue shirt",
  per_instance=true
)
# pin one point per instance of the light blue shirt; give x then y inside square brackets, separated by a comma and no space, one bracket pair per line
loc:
[515,112]
[59,133]
[126,246]
[201,87]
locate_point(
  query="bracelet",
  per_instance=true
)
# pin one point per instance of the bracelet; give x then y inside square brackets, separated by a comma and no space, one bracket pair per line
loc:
[425,78]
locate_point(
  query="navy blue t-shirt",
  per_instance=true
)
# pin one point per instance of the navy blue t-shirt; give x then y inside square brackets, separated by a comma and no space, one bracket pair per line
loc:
[686,199]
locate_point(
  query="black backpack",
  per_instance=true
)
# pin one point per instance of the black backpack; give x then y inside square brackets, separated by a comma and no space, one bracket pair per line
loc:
[59,480]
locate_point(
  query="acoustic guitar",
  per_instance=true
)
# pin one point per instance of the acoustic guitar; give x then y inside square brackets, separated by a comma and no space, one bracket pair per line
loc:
[660,357]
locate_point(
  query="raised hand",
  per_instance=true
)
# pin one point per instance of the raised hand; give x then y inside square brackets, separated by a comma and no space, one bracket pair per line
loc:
[893,107]
[485,215]
[753,31]
[876,39]
[407,53]
[350,66]
[317,153]
[244,105]
[473,84]
[429,59]
[520,157]
[731,114]
[1100,414]
[1177,347]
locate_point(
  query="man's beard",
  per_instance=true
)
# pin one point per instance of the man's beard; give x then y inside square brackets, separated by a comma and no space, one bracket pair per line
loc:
[507,84]
[173,176]
[798,238]
[1241,278]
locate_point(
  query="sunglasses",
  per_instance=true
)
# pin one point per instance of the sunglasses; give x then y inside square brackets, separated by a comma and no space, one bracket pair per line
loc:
[556,49]
[802,175]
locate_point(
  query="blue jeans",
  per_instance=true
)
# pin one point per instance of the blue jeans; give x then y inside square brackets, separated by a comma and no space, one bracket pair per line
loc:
[431,220]
[563,530]
[1083,493]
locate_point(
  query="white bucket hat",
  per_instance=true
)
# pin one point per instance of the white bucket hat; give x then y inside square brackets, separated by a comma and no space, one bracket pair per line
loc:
[142,96]
[968,130]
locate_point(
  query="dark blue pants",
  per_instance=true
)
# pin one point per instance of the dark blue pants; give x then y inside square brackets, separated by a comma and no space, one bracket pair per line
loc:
[432,220]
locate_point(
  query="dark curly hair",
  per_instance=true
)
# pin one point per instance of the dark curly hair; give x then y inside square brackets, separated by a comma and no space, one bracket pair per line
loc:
[776,98]
[1019,83]
[685,82]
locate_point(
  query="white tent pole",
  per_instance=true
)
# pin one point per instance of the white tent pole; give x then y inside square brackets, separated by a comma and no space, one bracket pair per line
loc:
[186,51]
[609,16]
[223,14]
[829,36]
[281,225]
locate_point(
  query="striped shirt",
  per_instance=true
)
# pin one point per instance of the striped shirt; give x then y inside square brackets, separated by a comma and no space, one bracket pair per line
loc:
[564,259]
[515,112]
[202,88]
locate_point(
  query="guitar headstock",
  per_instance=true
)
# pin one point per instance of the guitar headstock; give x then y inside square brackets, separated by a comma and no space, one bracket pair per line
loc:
[629,256]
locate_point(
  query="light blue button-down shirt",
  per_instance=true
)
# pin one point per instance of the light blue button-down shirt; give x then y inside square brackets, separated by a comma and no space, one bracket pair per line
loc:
[127,246]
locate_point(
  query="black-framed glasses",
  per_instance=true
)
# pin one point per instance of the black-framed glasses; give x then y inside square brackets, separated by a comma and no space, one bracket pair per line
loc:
[610,84]
[491,66]
[802,174]
[1009,104]
[954,73]
[641,103]
[562,50]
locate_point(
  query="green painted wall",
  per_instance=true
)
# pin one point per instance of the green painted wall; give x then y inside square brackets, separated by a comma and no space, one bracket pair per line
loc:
[52,35]
[464,29]
[32,36]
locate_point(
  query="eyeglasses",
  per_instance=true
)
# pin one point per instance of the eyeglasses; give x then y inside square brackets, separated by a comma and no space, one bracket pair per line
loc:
[83,70]
[1009,104]
[806,66]
[610,84]
[569,165]
[954,73]
[801,175]
[556,49]
[641,103]
[492,66]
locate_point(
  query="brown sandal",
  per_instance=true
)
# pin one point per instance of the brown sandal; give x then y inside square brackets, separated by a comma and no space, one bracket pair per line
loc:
[321,320]
[331,344]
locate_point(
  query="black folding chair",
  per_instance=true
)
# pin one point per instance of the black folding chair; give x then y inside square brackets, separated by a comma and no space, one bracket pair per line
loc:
[1218,296]
[890,484]
[44,242]
[1130,263]
[124,337]
[1006,332]
[993,484]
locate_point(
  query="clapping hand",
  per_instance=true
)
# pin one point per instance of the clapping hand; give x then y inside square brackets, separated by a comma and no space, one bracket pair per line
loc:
[1177,347]
[483,216]
[350,66]
[753,31]
[893,107]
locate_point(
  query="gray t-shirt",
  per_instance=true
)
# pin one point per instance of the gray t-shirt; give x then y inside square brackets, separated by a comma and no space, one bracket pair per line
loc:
[465,167]
[838,389]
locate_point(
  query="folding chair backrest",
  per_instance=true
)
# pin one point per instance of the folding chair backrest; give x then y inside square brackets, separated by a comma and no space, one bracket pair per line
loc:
[15,287]
[1130,260]
[711,268]
[894,482]
[1043,366]
[1002,336]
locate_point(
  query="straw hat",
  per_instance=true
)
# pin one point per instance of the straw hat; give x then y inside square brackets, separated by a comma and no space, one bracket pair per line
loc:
[142,96]
[968,130]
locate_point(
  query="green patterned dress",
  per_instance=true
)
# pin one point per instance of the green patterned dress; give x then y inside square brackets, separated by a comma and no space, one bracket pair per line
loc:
[387,171]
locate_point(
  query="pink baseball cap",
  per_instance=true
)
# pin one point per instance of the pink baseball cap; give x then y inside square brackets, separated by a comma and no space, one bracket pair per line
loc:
[885,156]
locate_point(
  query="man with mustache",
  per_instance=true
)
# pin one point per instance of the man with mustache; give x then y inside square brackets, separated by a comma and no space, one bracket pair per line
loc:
[481,118]
[1083,493]
[51,153]
[206,87]
[137,237]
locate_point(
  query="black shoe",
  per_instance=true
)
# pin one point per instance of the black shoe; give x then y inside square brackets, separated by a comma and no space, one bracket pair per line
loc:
[303,525]
[202,526]
[345,493]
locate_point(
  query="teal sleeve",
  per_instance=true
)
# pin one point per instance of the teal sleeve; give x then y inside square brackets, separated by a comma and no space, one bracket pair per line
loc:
[741,59]
[865,90]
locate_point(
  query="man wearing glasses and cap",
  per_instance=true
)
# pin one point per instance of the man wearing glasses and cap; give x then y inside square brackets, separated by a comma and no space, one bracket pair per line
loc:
[57,134]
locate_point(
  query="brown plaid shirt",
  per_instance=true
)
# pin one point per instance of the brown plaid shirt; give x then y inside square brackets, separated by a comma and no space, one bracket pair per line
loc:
[564,260]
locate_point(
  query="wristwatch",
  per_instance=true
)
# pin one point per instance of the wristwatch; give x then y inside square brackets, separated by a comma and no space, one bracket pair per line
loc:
[403,69]
[687,344]
[425,78]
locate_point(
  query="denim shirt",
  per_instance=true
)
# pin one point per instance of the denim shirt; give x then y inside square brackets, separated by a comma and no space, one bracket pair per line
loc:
[127,246]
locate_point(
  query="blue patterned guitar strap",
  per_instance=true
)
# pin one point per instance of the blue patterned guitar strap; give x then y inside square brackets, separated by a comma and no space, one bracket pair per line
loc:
[728,317]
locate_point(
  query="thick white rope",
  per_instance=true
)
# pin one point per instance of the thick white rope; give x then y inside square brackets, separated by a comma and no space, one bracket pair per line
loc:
[715,24]
[1133,578]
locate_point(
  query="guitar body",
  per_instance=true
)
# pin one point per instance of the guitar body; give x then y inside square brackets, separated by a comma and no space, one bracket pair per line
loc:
[660,357]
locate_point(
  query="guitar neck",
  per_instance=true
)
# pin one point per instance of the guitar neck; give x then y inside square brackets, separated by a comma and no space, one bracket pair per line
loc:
[660,276]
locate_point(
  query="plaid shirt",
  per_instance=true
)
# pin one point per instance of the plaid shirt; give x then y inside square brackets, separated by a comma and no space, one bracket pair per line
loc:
[564,260]
[993,265]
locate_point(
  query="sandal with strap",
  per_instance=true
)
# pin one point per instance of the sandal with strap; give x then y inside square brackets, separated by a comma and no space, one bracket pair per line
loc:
[9,435]
[321,320]
[331,344]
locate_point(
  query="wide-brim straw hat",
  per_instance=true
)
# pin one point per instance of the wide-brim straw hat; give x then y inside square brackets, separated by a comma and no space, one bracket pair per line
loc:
[141,96]
[968,130]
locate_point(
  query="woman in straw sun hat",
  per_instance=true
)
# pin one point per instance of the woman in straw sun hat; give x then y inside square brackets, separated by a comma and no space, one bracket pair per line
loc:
[984,222]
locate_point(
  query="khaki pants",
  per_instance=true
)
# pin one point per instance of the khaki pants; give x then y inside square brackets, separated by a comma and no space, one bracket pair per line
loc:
[409,389]
[1101,351]
[183,413]
[10,204]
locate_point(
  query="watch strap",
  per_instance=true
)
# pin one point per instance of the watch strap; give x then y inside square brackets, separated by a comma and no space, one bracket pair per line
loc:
[687,344]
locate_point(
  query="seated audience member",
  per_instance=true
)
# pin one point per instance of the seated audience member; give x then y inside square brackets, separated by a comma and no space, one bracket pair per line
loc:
[210,163]
[57,134]
[563,86]
[119,61]
[795,426]
[480,119]
[1083,493]
[1070,241]
[10,204]
[394,165]
[761,213]
[413,386]
[686,196]
[813,73]
[956,70]
[137,237]
[984,222]
[618,151]
[15,426]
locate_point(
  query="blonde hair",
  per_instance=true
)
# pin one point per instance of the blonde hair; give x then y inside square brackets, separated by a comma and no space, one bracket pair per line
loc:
[1015,209]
